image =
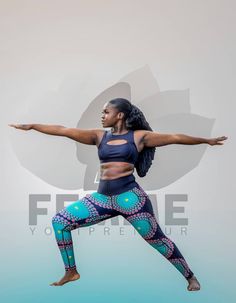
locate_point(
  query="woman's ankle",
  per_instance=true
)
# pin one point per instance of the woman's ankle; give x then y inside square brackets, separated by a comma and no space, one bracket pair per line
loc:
[71,270]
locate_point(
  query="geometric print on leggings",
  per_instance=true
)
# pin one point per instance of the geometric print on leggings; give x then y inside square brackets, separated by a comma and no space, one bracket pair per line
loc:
[71,217]
[181,265]
[163,245]
[147,226]
[129,202]
[145,223]
[94,220]
[64,240]
[100,200]
[134,205]
[71,214]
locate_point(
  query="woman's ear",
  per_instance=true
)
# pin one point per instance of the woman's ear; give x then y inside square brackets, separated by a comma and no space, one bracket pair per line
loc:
[121,115]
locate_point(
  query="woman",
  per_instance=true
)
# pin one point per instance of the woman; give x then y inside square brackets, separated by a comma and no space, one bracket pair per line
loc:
[129,144]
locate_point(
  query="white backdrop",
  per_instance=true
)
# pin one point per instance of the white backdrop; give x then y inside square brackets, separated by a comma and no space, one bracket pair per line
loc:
[72,51]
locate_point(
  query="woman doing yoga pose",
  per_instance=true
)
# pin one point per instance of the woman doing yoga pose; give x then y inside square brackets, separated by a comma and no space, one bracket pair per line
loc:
[129,144]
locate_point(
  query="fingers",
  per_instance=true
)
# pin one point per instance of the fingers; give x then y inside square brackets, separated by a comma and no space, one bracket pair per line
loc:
[222,138]
[19,126]
[14,125]
[216,141]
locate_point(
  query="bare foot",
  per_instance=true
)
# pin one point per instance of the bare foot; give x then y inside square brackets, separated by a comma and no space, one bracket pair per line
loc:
[193,284]
[70,275]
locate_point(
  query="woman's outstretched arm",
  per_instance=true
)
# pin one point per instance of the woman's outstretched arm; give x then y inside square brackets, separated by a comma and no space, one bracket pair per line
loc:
[153,139]
[56,130]
[86,136]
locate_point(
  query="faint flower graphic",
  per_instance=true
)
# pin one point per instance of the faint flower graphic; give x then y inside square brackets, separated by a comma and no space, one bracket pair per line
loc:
[53,158]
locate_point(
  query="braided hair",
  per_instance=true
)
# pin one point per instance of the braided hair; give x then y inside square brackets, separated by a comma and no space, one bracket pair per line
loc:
[134,120]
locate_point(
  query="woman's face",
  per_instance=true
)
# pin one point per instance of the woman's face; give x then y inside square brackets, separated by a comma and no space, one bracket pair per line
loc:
[109,116]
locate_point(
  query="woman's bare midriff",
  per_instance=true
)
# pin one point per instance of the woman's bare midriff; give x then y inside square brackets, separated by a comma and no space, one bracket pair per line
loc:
[114,170]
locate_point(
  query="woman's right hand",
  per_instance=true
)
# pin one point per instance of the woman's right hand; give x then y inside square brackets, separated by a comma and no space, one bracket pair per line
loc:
[21,126]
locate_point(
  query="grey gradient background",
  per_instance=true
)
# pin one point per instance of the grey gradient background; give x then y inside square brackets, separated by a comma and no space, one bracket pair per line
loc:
[56,57]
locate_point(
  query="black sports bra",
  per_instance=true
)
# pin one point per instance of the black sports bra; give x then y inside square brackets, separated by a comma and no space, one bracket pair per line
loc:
[125,152]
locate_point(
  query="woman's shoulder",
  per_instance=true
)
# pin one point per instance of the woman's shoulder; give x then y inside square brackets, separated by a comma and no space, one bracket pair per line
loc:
[100,135]
[140,133]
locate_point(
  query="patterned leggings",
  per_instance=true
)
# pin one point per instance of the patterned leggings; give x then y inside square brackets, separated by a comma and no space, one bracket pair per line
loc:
[133,204]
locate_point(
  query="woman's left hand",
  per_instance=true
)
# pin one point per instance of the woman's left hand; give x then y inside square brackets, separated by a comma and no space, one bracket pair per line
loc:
[217,141]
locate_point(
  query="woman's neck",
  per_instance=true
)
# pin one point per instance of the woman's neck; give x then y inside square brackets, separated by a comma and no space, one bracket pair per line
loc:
[119,130]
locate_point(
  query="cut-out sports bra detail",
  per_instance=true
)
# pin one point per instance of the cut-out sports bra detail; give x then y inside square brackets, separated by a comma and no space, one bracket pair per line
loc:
[124,152]
[122,142]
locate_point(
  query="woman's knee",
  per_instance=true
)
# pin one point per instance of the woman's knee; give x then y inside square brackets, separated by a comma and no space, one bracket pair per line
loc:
[57,222]
[145,224]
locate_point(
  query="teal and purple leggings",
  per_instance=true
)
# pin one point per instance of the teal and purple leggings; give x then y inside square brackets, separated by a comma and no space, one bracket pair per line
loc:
[122,196]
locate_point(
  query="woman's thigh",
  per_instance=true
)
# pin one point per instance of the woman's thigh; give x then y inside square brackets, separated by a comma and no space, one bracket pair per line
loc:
[136,207]
[91,209]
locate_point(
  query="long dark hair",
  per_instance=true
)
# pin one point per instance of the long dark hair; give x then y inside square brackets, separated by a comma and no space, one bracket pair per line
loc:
[135,119]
